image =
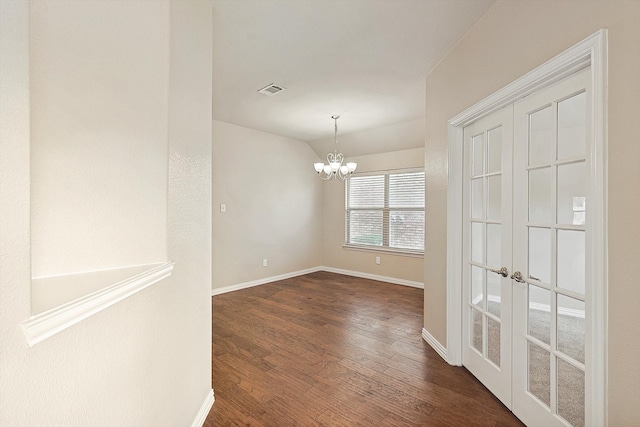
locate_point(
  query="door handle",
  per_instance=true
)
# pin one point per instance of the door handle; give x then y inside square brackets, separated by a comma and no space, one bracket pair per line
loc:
[503,271]
[517,276]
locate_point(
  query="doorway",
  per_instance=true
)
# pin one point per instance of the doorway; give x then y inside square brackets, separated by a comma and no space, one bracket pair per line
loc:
[524,331]
[529,353]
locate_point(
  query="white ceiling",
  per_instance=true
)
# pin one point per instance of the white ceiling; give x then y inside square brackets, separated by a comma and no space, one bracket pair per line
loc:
[365,60]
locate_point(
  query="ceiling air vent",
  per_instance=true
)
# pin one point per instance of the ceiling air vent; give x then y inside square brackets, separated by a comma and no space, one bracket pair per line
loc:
[271,89]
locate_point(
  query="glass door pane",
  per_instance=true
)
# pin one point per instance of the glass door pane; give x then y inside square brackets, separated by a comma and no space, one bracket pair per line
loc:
[485,182]
[550,212]
[487,242]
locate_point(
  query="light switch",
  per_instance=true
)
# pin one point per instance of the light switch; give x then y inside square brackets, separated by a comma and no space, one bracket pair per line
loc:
[223,207]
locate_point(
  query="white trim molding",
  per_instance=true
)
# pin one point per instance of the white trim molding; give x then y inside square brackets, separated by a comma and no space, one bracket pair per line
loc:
[258,282]
[383,250]
[435,344]
[591,52]
[203,412]
[50,322]
[393,280]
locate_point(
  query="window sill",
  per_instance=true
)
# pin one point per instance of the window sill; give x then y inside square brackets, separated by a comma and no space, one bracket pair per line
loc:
[114,286]
[399,252]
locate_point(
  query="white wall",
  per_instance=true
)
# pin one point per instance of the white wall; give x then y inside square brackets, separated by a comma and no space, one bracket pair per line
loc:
[334,255]
[396,146]
[99,103]
[184,328]
[511,39]
[278,208]
[273,205]
[396,137]
[146,360]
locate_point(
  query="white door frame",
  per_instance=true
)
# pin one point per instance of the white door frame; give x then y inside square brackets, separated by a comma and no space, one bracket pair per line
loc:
[592,51]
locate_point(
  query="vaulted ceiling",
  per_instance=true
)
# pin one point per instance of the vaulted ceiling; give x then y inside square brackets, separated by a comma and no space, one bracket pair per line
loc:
[365,60]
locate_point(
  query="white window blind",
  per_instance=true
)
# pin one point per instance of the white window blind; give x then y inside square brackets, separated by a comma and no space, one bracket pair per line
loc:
[385,211]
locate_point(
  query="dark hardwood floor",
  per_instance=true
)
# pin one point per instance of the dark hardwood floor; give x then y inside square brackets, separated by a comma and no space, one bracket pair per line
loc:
[332,350]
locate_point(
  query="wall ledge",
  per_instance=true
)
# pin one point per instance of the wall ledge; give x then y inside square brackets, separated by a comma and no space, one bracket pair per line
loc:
[123,284]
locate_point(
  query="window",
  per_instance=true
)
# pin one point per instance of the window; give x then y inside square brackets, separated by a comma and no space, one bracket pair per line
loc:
[385,211]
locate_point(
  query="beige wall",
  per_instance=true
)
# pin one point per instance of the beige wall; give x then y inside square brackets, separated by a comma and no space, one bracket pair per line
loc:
[278,208]
[99,110]
[273,205]
[145,361]
[396,137]
[512,38]
[334,255]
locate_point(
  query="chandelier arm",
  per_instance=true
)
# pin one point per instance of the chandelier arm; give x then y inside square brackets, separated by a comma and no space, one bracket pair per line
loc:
[344,176]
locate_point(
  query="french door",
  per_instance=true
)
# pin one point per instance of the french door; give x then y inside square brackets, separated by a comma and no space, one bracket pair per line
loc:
[524,240]
[487,259]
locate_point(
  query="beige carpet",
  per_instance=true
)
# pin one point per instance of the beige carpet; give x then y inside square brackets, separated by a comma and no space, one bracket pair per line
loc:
[570,380]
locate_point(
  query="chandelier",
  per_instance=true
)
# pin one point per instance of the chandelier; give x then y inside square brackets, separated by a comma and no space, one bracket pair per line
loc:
[334,169]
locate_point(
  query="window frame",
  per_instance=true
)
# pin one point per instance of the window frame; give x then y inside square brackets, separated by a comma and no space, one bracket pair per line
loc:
[386,215]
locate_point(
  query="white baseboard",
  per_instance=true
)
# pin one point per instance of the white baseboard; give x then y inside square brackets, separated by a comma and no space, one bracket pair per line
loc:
[435,344]
[377,277]
[201,417]
[265,280]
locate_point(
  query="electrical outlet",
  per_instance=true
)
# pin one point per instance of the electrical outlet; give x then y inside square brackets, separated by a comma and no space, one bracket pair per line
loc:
[264,262]
[378,260]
